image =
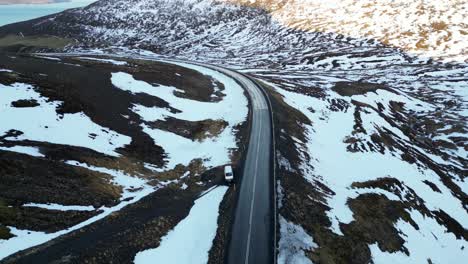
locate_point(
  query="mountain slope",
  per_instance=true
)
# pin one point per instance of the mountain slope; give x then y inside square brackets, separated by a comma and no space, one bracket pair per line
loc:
[370,104]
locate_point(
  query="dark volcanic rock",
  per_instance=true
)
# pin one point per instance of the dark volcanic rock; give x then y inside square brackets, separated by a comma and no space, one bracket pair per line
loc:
[25,103]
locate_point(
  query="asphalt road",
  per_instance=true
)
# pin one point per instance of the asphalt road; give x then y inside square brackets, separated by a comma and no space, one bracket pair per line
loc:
[252,240]
[252,232]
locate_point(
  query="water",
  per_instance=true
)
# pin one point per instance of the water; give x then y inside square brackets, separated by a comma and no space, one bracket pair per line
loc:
[16,13]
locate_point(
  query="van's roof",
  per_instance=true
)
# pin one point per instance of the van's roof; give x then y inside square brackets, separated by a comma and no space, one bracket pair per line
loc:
[228,168]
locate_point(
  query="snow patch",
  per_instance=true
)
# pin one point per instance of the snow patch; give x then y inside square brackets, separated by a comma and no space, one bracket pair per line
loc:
[191,239]
[115,62]
[294,240]
[328,133]
[49,58]
[32,151]
[431,241]
[215,151]
[42,123]
[59,207]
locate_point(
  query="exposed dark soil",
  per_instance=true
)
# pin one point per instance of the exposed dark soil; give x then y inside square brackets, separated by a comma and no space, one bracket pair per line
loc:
[195,85]
[84,86]
[117,238]
[25,103]
[218,251]
[17,43]
[27,179]
[304,202]
[197,130]
[420,129]
[5,232]
[411,201]
[38,219]
[356,88]
[88,89]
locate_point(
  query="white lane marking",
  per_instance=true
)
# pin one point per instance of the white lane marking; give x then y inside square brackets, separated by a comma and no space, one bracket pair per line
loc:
[253,196]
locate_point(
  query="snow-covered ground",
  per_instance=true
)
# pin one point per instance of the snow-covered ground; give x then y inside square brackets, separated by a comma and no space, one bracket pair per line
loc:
[191,239]
[214,151]
[431,28]
[429,242]
[332,164]
[293,241]
[115,62]
[42,123]
[33,151]
[133,190]
[60,207]
[401,45]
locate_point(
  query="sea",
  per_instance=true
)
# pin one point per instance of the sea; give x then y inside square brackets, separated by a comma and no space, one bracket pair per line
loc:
[16,13]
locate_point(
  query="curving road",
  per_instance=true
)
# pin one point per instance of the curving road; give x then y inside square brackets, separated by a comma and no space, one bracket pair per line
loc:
[253,233]
[252,230]
[253,227]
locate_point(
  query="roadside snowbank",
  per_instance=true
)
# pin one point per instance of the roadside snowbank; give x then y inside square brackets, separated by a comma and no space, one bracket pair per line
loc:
[190,241]
[293,241]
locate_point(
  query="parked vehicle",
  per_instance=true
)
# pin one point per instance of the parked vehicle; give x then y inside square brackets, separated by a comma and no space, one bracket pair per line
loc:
[228,174]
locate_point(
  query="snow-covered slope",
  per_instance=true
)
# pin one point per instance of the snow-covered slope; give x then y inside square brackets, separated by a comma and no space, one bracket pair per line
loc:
[370,101]
[427,28]
[65,143]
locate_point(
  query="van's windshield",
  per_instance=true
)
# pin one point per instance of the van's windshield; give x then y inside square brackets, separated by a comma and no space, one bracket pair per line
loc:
[228,174]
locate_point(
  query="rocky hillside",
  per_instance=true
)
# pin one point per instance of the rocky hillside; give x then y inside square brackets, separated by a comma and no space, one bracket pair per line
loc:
[370,106]
[427,28]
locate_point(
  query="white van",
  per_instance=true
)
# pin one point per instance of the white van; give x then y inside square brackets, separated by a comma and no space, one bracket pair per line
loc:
[228,174]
